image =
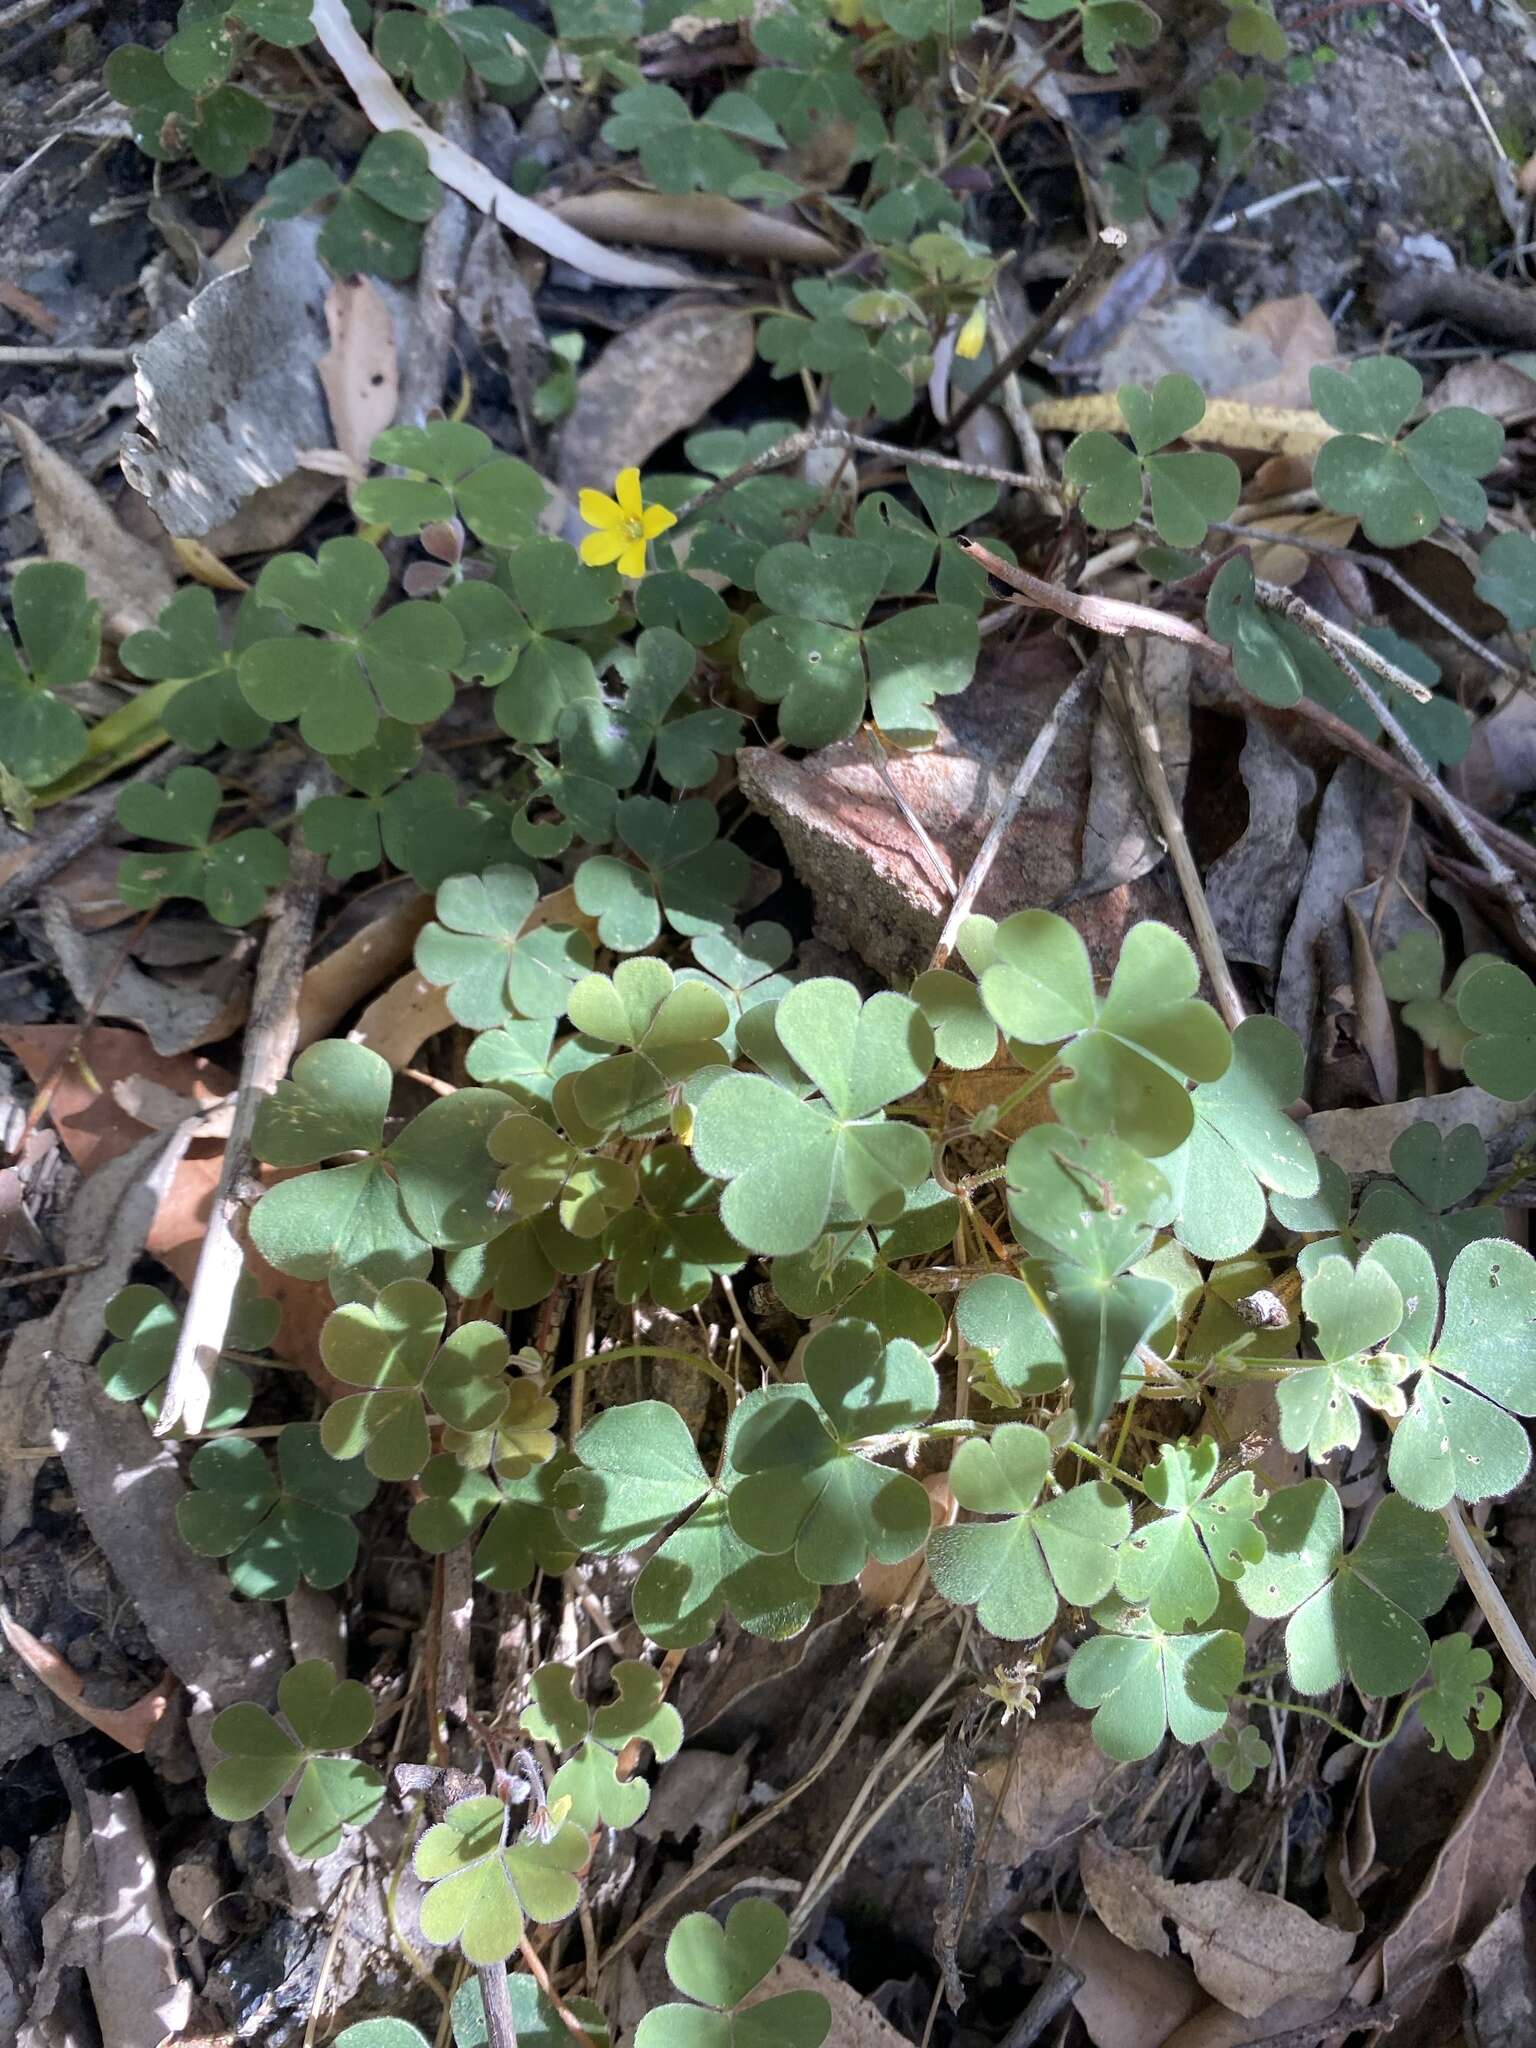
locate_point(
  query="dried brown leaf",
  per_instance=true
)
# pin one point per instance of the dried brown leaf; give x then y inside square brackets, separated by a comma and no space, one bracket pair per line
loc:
[340,981]
[704,221]
[360,372]
[127,576]
[1128,1999]
[651,382]
[1248,1949]
[129,1727]
[1253,885]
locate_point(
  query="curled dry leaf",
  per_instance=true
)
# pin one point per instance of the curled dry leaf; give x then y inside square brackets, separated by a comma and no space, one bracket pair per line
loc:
[127,576]
[360,371]
[1248,1949]
[651,382]
[703,221]
[1253,885]
[339,982]
[1127,1999]
[129,1727]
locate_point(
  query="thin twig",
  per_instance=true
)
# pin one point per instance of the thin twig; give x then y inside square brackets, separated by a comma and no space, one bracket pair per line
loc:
[793,446]
[67,358]
[1507,1632]
[938,866]
[1505,882]
[1338,639]
[1149,755]
[389,112]
[496,1997]
[1111,615]
[1101,259]
[270,1036]
[1023,782]
[1377,565]
[78,836]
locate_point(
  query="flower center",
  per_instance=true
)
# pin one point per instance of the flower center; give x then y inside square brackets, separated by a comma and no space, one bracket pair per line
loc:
[633,530]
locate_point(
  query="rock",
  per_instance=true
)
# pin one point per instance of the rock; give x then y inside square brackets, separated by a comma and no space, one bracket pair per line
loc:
[848,841]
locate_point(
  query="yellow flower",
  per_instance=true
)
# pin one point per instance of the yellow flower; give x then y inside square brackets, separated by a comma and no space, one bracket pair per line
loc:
[971,339]
[624,523]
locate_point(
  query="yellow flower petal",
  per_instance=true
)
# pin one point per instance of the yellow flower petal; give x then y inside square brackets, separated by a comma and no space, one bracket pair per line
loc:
[626,488]
[655,519]
[632,561]
[598,509]
[972,338]
[598,549]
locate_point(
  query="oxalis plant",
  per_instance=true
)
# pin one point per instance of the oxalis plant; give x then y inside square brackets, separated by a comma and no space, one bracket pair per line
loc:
[1042,1307]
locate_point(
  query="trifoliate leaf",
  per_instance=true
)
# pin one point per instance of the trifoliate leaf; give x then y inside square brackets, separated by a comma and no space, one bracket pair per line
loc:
[1243,1143]
[1129,1052]
[1497,1005]
[589,1779]
[788,1161]
[999,1317]
[804,1486]
[1354,1309]
[1013,1570]
[59,628]
[475,950]
[1399,490]
[1460,1437]
[1143,1683]
[1437,1170]
[1353,1614]
[671,1245]
[720,1967]
[1172,1562]
[483,1888]
[1460,1694]
[687,874]
[230,876]
[275,1530]
[391,1348]
[186,645]
[146,1326]
[1237,1755]
[1506,579]
[262,1757]
[399,664]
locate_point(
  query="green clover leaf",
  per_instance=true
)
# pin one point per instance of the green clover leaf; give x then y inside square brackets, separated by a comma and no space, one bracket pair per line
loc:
[543,1170]
[671,1245]
[1013,1570]
[392,1349]
[1189,491]
[719,1967]
[375,224]
[231,877]
[805,1486]
[1000,1318]
[788,1162]
[275,1531]
[1437,1169]
[589,1779]
[452,471]
[146,1326]
[1145,182]
[1413,974]
[1460,1437]
[516,629]
[1238,1754]
[435,51]
[681,153]
[610,743]
[687,874]
[186,646]
[477,951]
[539,2024]
[1228,107]
[1172,1564]
[1131,1051]
[673,1028]
[817,660]
[1497,1004]
[222,129]
[1354,1310]
[261,1759]
[1400,490]
[743,966]
[59,628]
[1506,579]
[356,831]
[526,1532]
[399,664]
[868,369]
[851,1272]
[1353,1614]
[1460,1693]
[1242,1144]
[483,1889]
[1142,1683]
[638,1473]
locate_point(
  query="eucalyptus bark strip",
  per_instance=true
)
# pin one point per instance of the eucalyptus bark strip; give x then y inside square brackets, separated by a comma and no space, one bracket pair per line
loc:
[270,1037]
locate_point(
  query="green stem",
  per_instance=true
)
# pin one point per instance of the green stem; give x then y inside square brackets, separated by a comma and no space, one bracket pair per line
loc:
[1103,1465]
[601,1358]
[1263,1699]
